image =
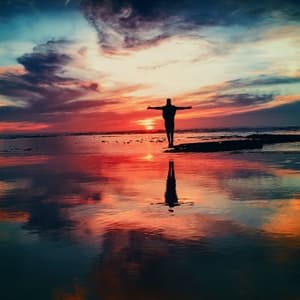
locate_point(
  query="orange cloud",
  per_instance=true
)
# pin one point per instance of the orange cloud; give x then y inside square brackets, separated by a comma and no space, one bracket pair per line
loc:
[21,126]
[12,69]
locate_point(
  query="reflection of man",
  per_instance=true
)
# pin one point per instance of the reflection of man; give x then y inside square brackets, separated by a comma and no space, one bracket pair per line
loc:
[168,113]
[171,198]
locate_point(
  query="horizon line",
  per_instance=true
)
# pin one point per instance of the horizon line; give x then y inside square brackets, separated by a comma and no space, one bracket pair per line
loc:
[60,134]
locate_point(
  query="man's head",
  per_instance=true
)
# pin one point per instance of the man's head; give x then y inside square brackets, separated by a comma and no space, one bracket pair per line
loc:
[168,101]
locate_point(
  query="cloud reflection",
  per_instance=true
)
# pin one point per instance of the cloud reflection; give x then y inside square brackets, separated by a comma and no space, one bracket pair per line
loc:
[83,196]
[105,204]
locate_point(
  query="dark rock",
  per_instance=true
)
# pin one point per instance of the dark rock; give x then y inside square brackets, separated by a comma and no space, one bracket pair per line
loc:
[217,146]
[253,141]
[275,138]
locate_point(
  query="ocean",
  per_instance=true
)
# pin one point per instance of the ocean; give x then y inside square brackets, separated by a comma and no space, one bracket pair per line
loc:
[112,216]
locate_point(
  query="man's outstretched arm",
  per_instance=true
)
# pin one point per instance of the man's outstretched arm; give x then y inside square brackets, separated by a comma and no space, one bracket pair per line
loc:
[183,107]
[156,107]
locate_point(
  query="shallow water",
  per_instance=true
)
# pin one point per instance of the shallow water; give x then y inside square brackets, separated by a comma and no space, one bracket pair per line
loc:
[116,218]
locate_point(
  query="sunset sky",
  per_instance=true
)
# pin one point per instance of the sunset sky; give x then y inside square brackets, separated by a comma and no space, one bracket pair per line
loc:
[95,65]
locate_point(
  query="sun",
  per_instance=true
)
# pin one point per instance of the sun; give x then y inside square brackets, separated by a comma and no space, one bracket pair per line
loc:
[148,124]
[149,127]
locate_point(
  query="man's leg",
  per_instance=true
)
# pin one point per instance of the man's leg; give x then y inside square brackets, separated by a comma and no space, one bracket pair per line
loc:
[172,134]
[167,127]
[169,139]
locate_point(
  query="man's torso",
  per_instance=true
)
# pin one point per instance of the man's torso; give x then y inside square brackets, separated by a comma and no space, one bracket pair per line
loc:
[169,112]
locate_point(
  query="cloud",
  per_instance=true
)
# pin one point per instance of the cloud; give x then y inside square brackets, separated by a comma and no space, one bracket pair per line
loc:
[47,210]
[236,102]
[243,99]
[277,116]
[220,105]
[132,23]
[232,88]
[207,10]
[46,62]
[43,90]
[21,126]
[124,25]
[263,80]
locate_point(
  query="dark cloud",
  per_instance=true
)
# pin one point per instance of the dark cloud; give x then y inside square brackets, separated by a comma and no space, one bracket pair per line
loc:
[205,12]
[134,23]
[43,89]
[224,92]
[123,24]
[243,99]
[279,116]
[45,62]
[137,23]
[240,100]
[93,86]
[263,80]
[131,12]
[229,96]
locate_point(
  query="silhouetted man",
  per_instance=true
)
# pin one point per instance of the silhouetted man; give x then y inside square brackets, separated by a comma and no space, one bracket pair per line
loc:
[171,198]
[168,113]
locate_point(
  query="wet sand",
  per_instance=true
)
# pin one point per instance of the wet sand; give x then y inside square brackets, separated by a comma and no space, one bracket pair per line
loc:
[110,218]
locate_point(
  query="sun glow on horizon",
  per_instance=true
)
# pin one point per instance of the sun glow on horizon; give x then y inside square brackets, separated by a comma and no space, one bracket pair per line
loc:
[148,124]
